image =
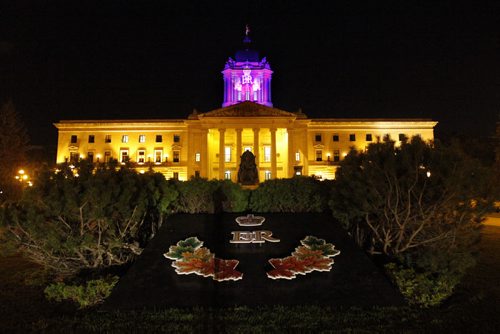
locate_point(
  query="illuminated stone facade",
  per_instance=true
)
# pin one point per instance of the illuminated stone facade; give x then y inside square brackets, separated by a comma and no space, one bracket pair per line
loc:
[210,144]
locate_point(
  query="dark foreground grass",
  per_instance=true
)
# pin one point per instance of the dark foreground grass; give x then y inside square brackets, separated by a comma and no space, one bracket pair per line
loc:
[475,307]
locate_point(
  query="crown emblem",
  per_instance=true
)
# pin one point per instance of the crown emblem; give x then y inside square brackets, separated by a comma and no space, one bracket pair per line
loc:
[250,220]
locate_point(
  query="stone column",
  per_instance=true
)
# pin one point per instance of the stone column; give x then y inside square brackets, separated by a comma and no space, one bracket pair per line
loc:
[273,153]
[190,154]
[305,152]
[256,146]
[291,153]
[238,147]
[222,145]
[204,154]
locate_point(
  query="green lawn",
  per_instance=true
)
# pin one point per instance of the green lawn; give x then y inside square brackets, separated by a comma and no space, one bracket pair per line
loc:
[475,307]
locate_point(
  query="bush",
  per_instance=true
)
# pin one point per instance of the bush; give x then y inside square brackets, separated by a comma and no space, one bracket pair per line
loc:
[199,195]
[232,197]
[397,199]
[419,205]
[422,289]
[93,293]
[195,196]
[82,218]
[298,194]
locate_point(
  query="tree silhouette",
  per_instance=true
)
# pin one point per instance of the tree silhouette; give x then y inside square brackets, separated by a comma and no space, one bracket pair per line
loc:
[13,145]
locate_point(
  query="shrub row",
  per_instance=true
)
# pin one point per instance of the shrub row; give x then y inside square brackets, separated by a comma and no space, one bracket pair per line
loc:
[299,194]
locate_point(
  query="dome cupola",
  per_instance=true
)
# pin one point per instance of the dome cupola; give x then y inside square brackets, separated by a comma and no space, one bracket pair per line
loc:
[247,77]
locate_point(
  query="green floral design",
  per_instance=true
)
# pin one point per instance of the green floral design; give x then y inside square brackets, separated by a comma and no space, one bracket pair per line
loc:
[184,246]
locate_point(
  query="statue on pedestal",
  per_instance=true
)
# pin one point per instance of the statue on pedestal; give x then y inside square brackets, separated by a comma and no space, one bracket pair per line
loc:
[247,174]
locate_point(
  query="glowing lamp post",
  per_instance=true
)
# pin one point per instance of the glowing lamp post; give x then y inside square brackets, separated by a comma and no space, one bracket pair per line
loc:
[23,178]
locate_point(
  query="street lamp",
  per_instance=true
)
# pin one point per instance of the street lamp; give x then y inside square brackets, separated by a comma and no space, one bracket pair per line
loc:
[23,177]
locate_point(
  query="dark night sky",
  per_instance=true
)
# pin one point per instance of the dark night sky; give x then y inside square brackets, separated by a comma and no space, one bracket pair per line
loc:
[160,59]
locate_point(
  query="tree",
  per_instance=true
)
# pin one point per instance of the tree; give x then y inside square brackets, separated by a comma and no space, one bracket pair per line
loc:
[13,144]
[420,205]
[401,198]
[85,218]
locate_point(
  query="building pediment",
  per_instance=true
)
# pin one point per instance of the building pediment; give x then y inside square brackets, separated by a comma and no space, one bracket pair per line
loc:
[247,109]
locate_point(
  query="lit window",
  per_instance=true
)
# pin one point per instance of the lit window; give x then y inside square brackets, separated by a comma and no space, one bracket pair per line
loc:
[227,175]
[317,137]
[319,155]
[227,154]
[142,138]
[267,175]
[107,139]
[177,138]
[247,148]
[267,153]
[107,156]
[197,157]
[90,156]
[125,139]
[74,156]
[141,156]
[176,155]
[158,156]
[159,138]
[74,139]
[123,156]
[297,156]
[352,137]
[91,139]
[369,137]
[336,155]
[335,137]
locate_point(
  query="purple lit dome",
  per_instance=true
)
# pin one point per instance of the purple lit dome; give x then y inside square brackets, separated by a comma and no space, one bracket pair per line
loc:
[247,54]
[247,77]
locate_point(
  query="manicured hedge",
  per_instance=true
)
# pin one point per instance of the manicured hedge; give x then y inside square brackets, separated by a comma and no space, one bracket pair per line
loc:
[203,196]
[298,194]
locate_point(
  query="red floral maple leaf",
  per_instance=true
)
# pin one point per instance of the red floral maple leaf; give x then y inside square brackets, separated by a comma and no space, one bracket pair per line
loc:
[202,254]
[305,253]
[295,264]
[191,266]
[224,270]
[283,268]
[198,262]
[320,264]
